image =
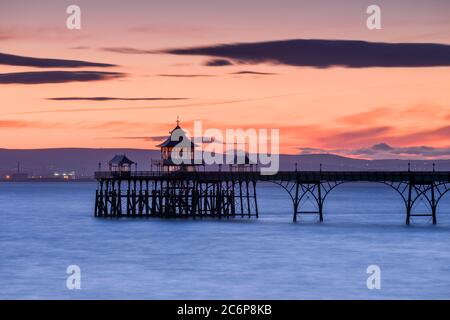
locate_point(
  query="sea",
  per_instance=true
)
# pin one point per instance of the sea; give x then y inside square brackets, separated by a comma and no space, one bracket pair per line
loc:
[48,229]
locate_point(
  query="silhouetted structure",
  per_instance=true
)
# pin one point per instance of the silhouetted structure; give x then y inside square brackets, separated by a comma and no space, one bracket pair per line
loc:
[120,163]
[177,143]
[179,190]
[18,175]
[227,194]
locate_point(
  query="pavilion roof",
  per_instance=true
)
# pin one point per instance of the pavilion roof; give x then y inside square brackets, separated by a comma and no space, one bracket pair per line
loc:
[177,138]
[120,159]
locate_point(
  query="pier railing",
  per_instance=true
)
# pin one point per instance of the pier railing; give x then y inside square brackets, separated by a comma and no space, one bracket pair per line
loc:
[305,176]
[127,174]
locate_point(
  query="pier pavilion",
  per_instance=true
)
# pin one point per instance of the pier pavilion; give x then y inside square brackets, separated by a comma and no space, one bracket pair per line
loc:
[120,163]
[179,144]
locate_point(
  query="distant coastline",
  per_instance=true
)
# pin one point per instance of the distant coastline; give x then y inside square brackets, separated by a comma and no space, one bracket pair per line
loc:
[81,163]
[3,180]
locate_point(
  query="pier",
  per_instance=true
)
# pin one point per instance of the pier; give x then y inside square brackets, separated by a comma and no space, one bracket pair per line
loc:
[234,194]
[183,190]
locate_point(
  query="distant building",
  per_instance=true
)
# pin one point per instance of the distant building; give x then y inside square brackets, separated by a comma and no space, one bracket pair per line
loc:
[120,163]
[71,175]
[18,175]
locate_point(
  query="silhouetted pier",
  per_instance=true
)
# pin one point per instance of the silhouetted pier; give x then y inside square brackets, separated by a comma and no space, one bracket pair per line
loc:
[233,194]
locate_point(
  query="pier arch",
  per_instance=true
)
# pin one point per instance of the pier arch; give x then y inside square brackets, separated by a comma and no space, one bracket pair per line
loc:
[412,193]
[442,190]
[299,191]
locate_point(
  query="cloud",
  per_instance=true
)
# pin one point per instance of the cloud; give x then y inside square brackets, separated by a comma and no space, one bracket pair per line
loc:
[385,151]
[142,138]
[355,137]
[327,53]
[185,75]
[20,124]
[207,104]
[39,77]
[12,124]
[204,139]
[40,32]
[112,99]
[127,50]
[80,48]
[14,60]
[382,147]
[116,125]
[383,114]
[363,118]
[350,142]
[5,36]
[256,73]
[424,109]
[424,136]
[192,30]
[218,63]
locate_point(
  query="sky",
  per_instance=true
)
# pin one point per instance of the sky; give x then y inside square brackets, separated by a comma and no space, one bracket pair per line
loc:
[311,69]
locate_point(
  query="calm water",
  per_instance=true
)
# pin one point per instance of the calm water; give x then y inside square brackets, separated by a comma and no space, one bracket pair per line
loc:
[47,226]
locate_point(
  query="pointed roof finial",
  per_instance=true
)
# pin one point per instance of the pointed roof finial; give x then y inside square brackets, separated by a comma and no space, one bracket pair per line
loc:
[178,121]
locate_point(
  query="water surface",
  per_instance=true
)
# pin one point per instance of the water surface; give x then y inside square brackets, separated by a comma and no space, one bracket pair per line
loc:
[46,227]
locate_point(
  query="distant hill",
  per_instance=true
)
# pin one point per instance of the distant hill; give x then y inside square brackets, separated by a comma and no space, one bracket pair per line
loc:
[85,161]
[333,162]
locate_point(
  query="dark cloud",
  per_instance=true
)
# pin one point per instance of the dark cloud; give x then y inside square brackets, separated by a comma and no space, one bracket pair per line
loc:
[218,63]
[256,73]
[207,104]
[382,147]
[185,75]
[308,150]
[385,151]
[327,53]
[112,98]
[38,77]
[14,60]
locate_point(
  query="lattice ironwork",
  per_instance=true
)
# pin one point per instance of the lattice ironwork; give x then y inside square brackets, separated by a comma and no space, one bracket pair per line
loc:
[413,193]
[176,198]
[301,192]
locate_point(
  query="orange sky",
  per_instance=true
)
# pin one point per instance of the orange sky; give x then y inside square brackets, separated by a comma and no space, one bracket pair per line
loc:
[329,109]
